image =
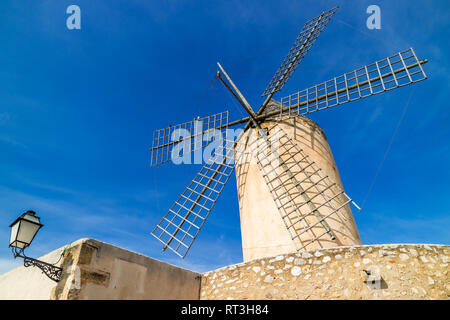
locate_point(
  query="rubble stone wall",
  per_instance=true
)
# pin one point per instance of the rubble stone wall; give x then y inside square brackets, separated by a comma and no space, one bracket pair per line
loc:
[401,271]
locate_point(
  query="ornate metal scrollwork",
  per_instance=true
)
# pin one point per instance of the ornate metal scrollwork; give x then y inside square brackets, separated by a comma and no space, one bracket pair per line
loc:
[50,270]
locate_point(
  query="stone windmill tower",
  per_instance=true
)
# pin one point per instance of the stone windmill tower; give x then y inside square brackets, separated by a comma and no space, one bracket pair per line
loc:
[309,179]
[290,194]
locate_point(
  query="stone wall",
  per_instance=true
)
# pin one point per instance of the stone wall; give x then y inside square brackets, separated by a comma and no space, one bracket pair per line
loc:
[96,270]
[358,272]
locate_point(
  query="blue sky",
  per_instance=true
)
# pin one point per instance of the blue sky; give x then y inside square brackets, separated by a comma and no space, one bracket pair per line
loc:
[78,109]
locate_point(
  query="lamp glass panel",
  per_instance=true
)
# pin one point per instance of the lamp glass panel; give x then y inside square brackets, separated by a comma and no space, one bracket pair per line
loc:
[14,230]
[27,231]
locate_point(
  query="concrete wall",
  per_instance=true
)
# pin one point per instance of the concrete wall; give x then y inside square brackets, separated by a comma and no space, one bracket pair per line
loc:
[263,231]
[397,272]
[97,270]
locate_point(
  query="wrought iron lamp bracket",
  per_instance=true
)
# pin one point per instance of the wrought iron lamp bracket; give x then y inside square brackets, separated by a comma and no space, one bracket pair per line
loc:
[50,270]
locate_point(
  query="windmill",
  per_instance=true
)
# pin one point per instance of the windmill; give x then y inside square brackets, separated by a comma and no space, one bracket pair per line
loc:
[291,196]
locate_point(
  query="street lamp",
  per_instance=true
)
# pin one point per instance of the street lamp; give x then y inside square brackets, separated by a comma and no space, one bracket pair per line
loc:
[23,231]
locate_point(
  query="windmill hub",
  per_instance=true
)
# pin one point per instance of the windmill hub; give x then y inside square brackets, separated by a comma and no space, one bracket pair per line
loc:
[273,105]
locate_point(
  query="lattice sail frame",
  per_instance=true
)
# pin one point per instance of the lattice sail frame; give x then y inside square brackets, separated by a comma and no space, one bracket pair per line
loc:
[381,76]
[305,40]
[189,213]
[305,196]
[187,137]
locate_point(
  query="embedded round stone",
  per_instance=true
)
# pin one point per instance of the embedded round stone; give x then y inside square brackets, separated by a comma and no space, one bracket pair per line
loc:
[268,279]
[296,271]
[318,254]
[403,256]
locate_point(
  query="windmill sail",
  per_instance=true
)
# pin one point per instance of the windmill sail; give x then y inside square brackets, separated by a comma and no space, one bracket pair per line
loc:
[384,75]
[305,40]
[176,141]
[178,229]
[305,196]
[312,206]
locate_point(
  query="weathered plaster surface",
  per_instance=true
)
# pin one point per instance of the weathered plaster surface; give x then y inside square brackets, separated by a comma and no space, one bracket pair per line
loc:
[28,283]
[96,270]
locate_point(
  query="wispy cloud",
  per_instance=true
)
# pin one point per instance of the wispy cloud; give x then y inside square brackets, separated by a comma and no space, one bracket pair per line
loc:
[13,142]
[4,117]
[8,264]
[225,251]
[416,228]
[149,195]
[81,215]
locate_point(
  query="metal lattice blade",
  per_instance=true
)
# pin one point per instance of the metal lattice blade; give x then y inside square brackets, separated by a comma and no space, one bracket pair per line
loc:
[178,229]
[387,74]
[305,196]
[305,40]
[176,141]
